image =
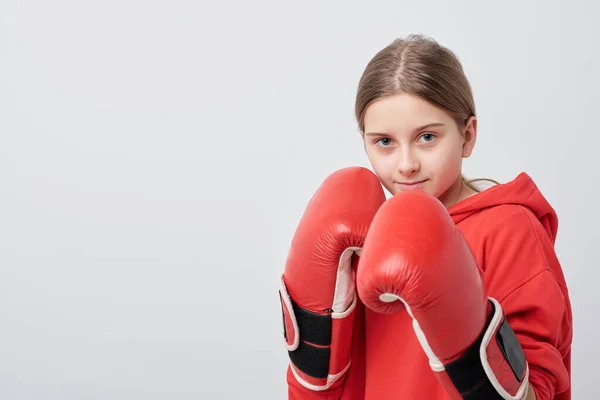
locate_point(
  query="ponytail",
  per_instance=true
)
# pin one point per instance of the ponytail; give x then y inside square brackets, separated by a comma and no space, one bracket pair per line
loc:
[470,185]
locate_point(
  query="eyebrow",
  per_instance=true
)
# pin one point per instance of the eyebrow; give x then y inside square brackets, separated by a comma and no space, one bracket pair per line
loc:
[431,125]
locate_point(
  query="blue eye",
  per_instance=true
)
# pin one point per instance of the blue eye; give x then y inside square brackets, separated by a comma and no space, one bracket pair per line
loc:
[427,137]
[384,142]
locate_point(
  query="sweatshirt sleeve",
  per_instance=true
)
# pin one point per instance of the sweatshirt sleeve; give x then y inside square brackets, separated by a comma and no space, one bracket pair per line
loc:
[523,273]
[536,312]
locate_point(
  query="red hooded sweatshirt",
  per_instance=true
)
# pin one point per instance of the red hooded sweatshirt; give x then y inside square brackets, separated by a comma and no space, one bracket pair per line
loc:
[511,229]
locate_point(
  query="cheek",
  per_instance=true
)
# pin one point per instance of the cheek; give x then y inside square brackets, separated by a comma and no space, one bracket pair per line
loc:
[383,167]
[381,164]
[448,165]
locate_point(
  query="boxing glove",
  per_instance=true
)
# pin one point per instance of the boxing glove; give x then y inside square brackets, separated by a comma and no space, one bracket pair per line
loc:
[318,295]
[416,260]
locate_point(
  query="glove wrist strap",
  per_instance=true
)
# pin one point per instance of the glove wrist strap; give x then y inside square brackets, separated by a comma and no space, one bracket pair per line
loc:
[494,367]
[318,344]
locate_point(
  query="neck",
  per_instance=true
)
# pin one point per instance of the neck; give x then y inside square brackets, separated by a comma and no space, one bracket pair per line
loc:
[456,193]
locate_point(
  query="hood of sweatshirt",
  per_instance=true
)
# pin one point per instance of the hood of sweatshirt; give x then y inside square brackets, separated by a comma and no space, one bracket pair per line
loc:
[520,191]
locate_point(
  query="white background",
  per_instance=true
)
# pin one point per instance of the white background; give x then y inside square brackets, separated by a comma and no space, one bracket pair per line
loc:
[155,158]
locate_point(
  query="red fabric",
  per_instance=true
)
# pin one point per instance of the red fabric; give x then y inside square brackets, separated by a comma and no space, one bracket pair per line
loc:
[511,229]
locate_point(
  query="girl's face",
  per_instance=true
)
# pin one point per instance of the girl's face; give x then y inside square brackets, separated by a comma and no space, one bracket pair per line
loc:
[414,145]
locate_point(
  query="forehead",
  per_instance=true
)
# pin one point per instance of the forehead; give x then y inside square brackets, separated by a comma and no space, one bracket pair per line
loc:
[402,112]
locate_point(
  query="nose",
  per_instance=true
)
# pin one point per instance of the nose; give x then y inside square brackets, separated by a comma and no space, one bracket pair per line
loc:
[408,163]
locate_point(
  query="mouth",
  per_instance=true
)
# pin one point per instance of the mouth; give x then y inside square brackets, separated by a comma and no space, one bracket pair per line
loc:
[411,185]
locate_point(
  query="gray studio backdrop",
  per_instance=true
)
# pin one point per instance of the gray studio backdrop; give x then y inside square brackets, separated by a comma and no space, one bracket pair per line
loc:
[155,158]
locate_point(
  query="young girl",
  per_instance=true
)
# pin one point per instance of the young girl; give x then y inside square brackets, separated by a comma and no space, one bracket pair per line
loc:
[416,114]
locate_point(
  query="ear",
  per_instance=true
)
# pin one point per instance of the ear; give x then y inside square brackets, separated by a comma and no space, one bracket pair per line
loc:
[470,135]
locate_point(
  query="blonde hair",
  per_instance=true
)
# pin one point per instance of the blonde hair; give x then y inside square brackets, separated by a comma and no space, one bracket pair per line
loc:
[469,183]
[419,66]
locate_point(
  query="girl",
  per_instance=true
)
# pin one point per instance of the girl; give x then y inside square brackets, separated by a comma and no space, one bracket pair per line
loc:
[416,114]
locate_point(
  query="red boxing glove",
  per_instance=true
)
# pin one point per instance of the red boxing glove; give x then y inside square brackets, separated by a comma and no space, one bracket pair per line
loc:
[317,292]
[415,253]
